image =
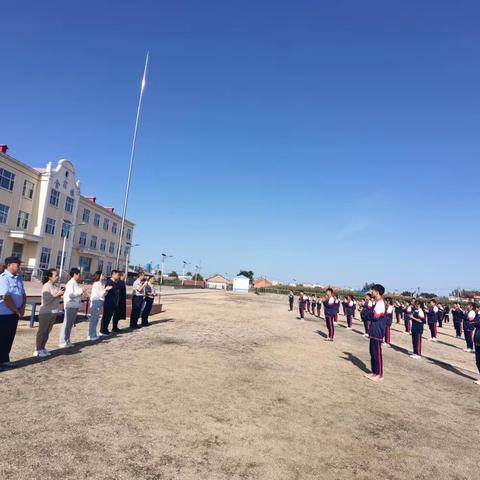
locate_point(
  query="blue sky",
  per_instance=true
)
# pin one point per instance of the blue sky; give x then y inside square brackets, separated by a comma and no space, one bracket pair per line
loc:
[335,142]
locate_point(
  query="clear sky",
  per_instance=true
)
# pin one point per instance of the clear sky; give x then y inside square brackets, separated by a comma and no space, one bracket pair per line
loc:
[330,141]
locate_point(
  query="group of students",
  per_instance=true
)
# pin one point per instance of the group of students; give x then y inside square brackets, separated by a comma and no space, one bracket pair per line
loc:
[108,299]
[377,316]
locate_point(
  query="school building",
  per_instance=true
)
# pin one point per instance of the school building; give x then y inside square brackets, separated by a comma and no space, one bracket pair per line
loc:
[41,206]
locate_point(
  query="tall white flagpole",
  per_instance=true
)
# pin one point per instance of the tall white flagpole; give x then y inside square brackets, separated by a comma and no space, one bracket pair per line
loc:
[132,154]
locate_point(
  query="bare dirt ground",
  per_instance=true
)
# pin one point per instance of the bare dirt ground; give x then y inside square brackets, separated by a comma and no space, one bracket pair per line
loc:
[227,386]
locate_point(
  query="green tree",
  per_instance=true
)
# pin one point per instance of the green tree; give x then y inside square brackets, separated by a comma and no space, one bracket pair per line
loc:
[407,294]
[368,286]
[427,295]
[197,277]
[173,274]
[247,273]
[188,274]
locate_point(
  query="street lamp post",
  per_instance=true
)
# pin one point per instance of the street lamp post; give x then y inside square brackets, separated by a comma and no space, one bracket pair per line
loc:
[66,233]
[128,256]
[195,281]
[164,256]
[183,271]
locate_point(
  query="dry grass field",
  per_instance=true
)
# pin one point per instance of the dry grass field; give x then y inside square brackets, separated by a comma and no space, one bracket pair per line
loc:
[227,386]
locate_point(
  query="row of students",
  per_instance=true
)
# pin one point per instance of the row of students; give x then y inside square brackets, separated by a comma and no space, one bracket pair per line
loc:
[377,317]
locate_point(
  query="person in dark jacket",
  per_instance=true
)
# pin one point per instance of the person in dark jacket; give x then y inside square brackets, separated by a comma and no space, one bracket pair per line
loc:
[291,299]
[121,310]
[110,303]
[476,341]
[329,310]
[418,321]
[377,332]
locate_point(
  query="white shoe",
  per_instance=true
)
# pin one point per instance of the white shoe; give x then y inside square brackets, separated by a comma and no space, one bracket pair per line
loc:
[467,350]
[477,382]
[365,335]
[434,339]
[46,352]
[405,333]
[349,328]
[63,345]
[414,355]
[92,338]
[40,353]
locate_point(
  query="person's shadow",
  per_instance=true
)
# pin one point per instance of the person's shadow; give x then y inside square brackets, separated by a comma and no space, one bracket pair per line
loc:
[356,361]
[322,334]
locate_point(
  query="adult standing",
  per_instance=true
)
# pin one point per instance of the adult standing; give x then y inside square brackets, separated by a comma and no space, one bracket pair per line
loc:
[138,296]
[291,299]
[121,310]
[97,298]
[110,304]
[12,307]
[49,308]
[72,300]
[150,295]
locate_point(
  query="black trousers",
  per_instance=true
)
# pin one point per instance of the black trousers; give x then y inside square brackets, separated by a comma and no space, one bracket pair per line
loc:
[477,356]
[146,310]
[137,301]
[8,329]
[108,311]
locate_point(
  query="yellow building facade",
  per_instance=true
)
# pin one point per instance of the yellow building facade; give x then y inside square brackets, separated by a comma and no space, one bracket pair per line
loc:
[42,211]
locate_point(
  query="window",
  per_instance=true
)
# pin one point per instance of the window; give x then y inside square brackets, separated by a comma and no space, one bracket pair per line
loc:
[28,187]
[93,242]
[109,268]
[100,265]
[1,248]
[82,241]
[59,259]
[86,215]
[114,227]
[106,222]
[22,220]
[4,213]
[17,250]
[103,245]
[45,257]
[7,179]
[129,233]
[69,201]
[84,264]
[127,251]
[54,197]
[50,226]
[96,219]
[66,228]
[111,247]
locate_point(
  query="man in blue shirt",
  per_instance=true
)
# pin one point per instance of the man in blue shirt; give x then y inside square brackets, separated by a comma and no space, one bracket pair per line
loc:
[12,307]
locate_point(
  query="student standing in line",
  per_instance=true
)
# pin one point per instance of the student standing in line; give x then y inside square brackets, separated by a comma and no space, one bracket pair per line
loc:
[308,303]
[441,314]
[407,313]
[432,318]
[476,340]
[377,333]
[457,316]
[418,320]
[446,312]
[150,295]
[72,301]
[291,299]
[110,303]
[398,311]
[469,326]
[121,309]
[319,306]
[138,296]
[12,307]
[97,298]
[314,304]
[388,321]
[337,309]
[349,308]
[366,313]
[329,309]
[49,309]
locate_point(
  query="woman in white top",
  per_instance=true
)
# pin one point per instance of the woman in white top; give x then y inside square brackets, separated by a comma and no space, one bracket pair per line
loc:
[72,299]
[97,297]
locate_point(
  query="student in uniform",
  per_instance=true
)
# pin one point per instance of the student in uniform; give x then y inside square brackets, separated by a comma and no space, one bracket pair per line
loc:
[398,311]
[301,306]
[366,313]
[441,313]
[388,321]
[314,304]
[291,299]
[329,310]
[469,326]
[349,309]
[457,316]
[446,316]
[377,333]
[417,316]
[432,318]
[307,299]
[476,341]
[407,312]
[337,309]
[319,307]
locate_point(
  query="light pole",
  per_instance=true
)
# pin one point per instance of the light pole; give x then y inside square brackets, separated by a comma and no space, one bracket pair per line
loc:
[195,281]
[226,281]
[164,256]
[66,232]
[128,256]
[183,271]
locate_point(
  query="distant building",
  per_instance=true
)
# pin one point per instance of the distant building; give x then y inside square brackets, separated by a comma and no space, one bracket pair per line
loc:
[217,281]
[241,284]
[262,283]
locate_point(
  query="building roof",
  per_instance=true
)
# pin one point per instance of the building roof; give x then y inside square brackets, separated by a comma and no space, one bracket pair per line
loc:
[217,278]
